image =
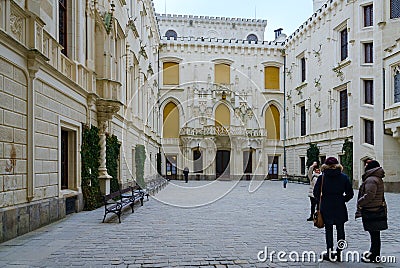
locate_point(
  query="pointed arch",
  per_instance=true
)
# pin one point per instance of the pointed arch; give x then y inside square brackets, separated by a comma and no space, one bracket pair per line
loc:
[171,120]
[222,116]
[273,122]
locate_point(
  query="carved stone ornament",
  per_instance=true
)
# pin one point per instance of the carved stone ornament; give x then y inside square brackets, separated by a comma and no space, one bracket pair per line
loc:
[107,108]
[16,25]
[39,37]
[243,112]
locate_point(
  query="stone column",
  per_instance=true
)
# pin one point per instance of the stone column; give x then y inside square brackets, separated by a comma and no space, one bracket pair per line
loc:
[105,111]
[105,179]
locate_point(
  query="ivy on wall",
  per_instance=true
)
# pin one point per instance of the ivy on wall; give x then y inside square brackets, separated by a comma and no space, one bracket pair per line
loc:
[90,155]
[312,154]
[347,158]
[140,157]
[112,158]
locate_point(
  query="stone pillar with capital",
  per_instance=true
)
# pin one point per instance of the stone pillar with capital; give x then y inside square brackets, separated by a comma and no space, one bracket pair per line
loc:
[105,111]
[104,177]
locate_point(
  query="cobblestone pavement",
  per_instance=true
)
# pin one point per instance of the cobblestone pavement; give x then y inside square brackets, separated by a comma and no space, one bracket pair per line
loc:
[227,233]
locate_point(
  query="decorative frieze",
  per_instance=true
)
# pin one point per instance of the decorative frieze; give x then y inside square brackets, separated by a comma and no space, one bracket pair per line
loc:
[17,25]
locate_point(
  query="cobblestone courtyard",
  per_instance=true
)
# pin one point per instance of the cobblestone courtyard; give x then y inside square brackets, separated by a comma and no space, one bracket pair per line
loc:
[226,233]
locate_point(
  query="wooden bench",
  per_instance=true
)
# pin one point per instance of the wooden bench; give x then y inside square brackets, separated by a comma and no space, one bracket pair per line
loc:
[115,202]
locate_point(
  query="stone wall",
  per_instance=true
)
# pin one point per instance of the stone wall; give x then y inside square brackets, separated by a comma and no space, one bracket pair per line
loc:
[13,134]
[21,219]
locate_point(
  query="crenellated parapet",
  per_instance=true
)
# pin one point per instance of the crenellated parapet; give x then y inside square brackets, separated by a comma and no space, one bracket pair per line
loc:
[211,27]
[221,46]
[211,19]
[320,17]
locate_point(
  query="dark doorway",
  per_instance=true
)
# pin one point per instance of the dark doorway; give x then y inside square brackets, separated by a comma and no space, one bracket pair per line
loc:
[248,162]
[171,167]
[197,161]
[222,163]
[273,167]
[64,159]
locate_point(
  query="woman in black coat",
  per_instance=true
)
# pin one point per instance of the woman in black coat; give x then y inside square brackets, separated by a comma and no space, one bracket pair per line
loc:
[336,191]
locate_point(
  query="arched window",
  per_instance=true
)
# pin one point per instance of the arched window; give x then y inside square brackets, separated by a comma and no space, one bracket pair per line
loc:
[222,116]
[252,38]
[171,121]
[171,34]
[272,123]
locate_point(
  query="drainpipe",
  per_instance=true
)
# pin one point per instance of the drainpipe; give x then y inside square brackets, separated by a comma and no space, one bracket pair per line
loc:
[284,110]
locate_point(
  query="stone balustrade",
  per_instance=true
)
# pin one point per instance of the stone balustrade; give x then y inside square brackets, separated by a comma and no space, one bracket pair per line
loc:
[223,131]
[341,133]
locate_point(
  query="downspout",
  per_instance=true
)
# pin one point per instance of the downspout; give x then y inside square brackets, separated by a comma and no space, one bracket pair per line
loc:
[284,110]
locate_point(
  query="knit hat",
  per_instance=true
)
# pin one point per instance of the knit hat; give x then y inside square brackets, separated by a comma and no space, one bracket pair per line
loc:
[331,161]
[372,164]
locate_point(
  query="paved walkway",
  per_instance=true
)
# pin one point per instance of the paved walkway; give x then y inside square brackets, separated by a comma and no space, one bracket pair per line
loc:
[226,233]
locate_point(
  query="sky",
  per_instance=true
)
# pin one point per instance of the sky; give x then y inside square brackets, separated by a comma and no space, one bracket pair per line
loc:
[286,14]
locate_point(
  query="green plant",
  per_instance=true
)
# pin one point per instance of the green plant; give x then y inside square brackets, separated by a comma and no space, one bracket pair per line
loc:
[112,155]
[140,157]
[90,154]
[347,158]
[312,154]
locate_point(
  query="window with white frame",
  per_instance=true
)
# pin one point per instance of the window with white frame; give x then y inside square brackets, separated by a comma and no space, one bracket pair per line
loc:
[368,15]
[344,108]
[394,9]
[368,52]
[368,91]
[344,52]
[369,131]
[69,133]
[303,121]
[396,85]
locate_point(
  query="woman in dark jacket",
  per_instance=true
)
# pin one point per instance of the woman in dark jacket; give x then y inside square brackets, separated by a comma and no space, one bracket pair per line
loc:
[371,203]
[336,191]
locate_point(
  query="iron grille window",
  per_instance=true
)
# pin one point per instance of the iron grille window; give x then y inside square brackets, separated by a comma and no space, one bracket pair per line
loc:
[343,45]
[343,108]
[303,121]
[369,131]
[369,92]
[368,16]
[397,87]
[394,9]
[303,69]
[62,25]
[368,52]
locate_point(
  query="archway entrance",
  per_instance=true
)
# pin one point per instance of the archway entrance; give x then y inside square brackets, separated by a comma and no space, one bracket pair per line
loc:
[222,168]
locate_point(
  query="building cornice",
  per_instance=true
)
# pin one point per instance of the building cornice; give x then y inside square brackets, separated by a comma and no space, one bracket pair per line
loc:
[211,19]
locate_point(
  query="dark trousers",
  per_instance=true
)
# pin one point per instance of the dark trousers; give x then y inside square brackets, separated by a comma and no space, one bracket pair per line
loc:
[375,243]
[329,234]
[314,203]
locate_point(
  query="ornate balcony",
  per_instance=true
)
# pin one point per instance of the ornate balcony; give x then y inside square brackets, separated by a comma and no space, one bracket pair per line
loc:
[223,131]
[392,121]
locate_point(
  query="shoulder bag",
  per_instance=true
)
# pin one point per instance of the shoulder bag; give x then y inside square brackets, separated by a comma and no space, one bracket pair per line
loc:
[317,217]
